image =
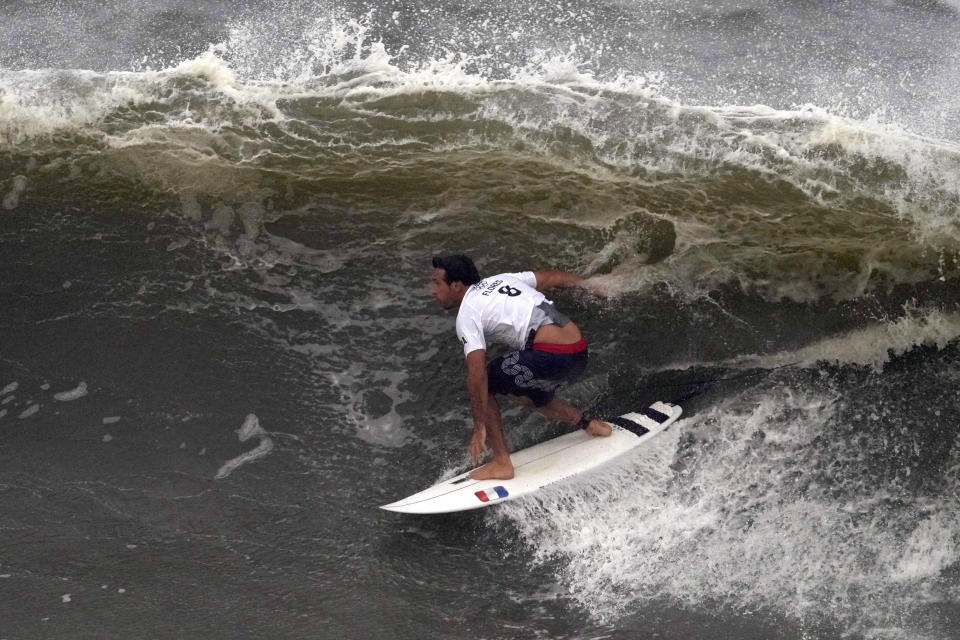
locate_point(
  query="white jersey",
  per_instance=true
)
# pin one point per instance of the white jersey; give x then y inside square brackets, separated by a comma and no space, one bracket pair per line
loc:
[500,309]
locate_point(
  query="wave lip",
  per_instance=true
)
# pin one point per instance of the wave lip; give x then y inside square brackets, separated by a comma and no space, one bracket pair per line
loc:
[796,203]
[873,346]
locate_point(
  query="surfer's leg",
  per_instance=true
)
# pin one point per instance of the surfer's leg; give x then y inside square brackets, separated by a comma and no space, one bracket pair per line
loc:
[544,372]
[523,401]
[500,468]
[562,411]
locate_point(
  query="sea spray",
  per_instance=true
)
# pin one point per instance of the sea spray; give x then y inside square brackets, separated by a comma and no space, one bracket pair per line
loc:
[250,429]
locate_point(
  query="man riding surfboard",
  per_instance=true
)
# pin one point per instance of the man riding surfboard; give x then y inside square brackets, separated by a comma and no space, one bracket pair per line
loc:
[548,350]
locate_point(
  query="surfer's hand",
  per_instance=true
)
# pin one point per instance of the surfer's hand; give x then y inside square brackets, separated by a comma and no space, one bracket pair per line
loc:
[478,443]
[599,286]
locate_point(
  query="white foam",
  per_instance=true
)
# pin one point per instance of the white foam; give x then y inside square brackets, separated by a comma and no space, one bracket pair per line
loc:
[12,199]
[873,345]
[750,504]
[30,411]
[250,429]
[931,547]
[210,67]
[10,388]
[36,103]
[716,527]
[73,394]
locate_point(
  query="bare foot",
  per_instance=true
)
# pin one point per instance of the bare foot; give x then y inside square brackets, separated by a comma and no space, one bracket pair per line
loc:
[599,428]
[493,470]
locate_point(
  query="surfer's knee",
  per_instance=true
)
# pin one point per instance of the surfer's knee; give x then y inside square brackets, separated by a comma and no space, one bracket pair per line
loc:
[523,401]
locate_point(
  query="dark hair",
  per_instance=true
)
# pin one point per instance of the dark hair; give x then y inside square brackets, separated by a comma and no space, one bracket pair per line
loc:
[457,268]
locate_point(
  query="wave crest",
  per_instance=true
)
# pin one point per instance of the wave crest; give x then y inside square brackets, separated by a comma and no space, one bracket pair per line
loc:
[798,203]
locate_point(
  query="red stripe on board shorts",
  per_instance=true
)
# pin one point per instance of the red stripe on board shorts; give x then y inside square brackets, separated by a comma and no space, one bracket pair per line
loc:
[576,347]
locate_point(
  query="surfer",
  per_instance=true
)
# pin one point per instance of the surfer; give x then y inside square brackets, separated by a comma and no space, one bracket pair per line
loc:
[548,353]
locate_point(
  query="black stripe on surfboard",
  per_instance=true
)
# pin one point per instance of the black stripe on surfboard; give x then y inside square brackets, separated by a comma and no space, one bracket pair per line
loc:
[654,415]
[635,428]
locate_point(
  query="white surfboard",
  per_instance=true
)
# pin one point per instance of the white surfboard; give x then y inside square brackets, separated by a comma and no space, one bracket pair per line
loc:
[542,464]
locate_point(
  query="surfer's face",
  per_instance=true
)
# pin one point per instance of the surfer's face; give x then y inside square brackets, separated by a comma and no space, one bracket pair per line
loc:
[447,294]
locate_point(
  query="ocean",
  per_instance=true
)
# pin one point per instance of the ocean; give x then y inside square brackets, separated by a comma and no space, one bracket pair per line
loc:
[219,354]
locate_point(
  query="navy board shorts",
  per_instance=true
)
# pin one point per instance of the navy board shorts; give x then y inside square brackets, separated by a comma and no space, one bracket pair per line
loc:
[537,371]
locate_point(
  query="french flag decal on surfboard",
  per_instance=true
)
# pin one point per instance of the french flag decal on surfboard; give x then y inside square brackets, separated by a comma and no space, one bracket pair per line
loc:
[492,494]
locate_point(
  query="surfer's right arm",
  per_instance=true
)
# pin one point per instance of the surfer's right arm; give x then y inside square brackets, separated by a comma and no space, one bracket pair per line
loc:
[556,280]
[476,362]
[565,280]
